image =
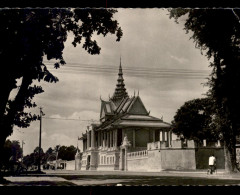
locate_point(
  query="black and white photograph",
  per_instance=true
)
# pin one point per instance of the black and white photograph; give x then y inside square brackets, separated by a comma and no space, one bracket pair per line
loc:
[120,97]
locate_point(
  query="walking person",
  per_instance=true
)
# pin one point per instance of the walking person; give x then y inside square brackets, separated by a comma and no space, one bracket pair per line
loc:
[212,163]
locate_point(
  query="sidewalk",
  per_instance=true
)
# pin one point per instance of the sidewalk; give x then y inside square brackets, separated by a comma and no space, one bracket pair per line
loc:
[181,173]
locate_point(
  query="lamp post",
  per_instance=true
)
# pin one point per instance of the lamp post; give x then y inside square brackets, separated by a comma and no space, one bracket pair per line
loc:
[57,149]
[40,134]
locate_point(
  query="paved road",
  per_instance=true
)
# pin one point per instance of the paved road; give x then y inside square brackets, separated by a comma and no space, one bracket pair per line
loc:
[120,178]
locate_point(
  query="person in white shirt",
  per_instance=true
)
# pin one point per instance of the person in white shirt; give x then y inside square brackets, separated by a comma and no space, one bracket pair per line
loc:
[212,163]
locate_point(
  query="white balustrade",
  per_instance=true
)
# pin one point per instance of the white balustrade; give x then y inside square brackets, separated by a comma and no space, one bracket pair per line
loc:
[137,154]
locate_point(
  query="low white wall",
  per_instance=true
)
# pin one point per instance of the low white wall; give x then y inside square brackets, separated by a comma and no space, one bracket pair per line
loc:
[140,164]
[168,158]
[151,162]
[178,159]
[70,165]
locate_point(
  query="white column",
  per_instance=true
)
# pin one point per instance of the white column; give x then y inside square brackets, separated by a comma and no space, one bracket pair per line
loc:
[204,143]
[93,139]
[161,135]
[88,140]
[218,143]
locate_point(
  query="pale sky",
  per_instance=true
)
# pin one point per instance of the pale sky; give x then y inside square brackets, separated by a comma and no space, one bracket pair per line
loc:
[158,59]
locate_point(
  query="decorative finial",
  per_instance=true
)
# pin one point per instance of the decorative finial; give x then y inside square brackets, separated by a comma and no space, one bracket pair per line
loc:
[100,97]
[120,67]
[138,93]
[134,93]
[162,117]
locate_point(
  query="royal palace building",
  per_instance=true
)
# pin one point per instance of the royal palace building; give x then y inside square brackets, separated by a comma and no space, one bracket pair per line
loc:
[125,126]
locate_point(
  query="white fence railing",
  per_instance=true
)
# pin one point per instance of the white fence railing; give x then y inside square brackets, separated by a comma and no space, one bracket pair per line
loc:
[138,154]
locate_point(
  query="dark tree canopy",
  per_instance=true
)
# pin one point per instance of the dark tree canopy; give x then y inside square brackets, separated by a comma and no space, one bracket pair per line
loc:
[217,32]
[13,150]
[194,120]
[67,153]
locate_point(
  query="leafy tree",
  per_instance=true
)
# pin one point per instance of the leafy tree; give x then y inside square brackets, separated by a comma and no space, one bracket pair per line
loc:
[49,151]
[26,36]
[50,155]
[217,32]
[36,156]
[11,149]
[67,153]
[194,120]
[29,160]
[33,158]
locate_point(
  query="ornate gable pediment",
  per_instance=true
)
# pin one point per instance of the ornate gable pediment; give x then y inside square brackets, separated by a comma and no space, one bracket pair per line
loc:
[137,107]
[106,110]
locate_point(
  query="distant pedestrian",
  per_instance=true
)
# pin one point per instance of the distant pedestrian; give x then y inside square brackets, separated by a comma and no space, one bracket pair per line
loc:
[212,163]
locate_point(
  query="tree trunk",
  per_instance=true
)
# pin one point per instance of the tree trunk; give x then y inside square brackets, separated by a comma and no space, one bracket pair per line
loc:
[7,84]
[6,125]
[2,142]
[230,152]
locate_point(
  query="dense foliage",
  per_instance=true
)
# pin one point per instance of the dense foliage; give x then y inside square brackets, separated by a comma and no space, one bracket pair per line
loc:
[11,151]
[194,120]
[59,152]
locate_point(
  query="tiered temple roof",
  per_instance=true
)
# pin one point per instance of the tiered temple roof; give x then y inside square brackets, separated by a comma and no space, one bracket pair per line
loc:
[122,110]
[120,90]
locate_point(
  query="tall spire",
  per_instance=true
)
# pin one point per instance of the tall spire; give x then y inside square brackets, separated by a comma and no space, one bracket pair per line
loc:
[120,90]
